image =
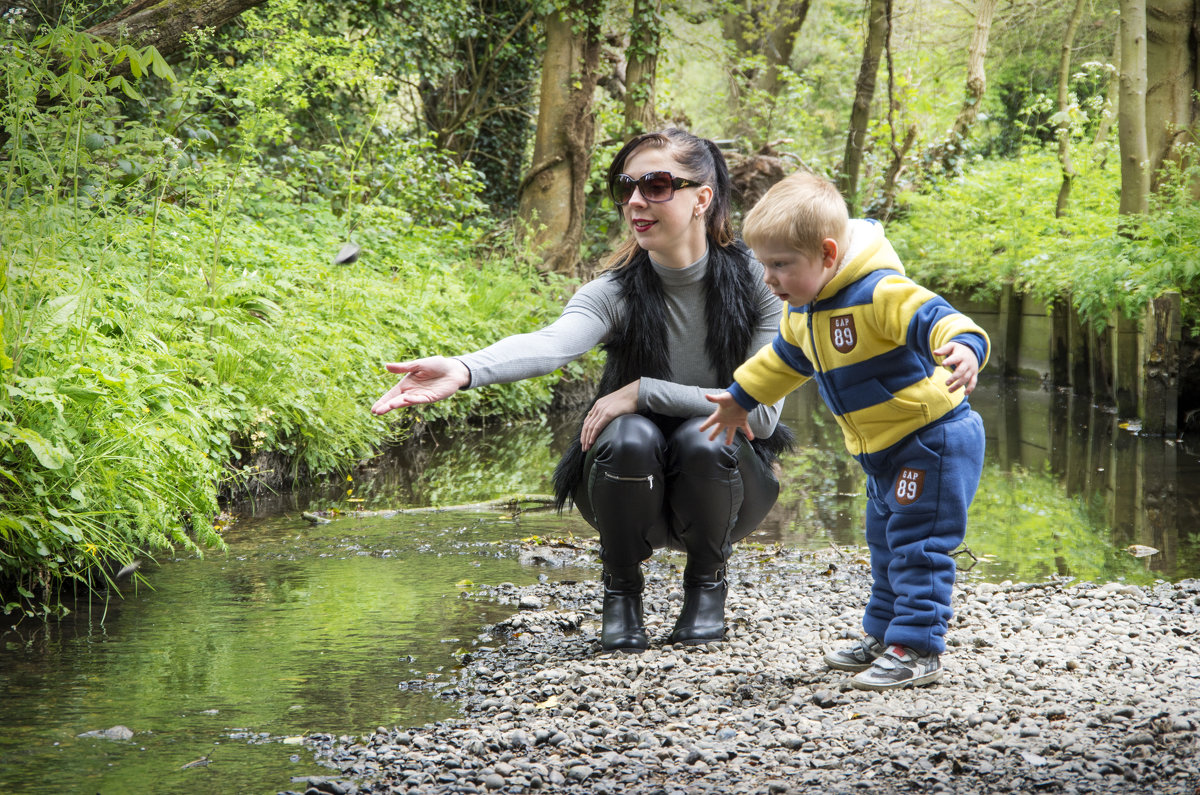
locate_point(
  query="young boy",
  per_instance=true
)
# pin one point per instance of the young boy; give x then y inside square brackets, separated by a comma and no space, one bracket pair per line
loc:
[876,343]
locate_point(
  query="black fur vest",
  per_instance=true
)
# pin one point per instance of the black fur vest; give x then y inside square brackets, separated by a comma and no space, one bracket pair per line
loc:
[635,349]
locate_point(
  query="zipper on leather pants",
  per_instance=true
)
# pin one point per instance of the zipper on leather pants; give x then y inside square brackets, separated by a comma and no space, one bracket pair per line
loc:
[634,479]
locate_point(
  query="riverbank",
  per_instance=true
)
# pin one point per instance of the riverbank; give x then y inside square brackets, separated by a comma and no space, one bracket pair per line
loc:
[1049,687]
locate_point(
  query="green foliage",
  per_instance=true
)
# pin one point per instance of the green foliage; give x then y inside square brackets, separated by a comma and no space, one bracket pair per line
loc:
[1126,269]
[778,116]
[1022,72]
[710,84]
[171,314]
[995,225]
[462,75]
[132,403]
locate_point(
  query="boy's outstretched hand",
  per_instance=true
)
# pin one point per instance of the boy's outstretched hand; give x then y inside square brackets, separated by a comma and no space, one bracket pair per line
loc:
[728,417]
[965,366]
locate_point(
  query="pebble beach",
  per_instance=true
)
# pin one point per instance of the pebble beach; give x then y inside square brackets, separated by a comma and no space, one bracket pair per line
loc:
[1058,687]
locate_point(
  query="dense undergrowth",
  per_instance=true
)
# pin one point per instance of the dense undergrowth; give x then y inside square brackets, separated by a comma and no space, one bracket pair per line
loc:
[996,225]
[133,393]
[171,307]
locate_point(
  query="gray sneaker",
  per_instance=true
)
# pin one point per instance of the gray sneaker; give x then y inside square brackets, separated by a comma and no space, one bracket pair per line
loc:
[899,667]
[857,657]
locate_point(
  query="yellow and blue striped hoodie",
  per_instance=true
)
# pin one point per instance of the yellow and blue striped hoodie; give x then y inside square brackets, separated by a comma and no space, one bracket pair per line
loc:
[868,340]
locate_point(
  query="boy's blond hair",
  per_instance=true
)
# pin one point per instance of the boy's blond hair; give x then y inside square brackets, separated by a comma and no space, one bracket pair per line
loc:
[798,212]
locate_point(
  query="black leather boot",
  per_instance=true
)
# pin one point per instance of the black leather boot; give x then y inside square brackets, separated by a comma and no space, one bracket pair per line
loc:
[702,619]
[623,628]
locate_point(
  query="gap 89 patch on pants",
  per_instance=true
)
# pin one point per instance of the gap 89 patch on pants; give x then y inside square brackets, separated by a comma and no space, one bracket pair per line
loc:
[910,485]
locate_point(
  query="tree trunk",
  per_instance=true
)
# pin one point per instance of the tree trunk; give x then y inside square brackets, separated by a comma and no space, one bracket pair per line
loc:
[949,150]
[779,42]
[641,69]
[1172,77]
[1064,109]
[1131,119]
[551,205]
[976,76]
[766,28]
[878,23]
[891,177]
[163,23]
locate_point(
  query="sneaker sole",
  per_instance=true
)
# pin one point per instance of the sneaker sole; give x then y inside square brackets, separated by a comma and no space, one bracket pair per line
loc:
[918,681]
[837,664]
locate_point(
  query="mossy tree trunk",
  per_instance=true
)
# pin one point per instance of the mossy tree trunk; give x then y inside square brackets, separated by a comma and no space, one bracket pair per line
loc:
[1064,109]
[766,28]
[1131,119]
[551,197]
[641,70]
[1173,78]
[878,23]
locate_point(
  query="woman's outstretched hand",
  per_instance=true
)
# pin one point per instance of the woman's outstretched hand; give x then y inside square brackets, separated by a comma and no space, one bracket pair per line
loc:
[424,381]
[727,418]
[607,409]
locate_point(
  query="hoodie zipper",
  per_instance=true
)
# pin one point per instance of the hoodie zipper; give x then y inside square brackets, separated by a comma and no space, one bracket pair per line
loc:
[634,479]
[822,376]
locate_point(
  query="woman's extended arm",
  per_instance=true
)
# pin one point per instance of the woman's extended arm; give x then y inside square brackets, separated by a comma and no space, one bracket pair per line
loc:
[539,352]
[583,324]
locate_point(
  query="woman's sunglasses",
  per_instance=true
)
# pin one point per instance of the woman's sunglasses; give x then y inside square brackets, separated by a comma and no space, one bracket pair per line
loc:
[656,186]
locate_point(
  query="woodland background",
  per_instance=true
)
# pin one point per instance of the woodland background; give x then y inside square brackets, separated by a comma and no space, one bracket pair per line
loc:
[218,218]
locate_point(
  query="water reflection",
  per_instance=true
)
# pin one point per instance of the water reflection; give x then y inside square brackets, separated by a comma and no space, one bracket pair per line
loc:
[1066,489]
[338,628]
[473,466]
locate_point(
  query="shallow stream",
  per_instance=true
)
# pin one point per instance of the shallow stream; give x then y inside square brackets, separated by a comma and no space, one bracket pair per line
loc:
[222,663]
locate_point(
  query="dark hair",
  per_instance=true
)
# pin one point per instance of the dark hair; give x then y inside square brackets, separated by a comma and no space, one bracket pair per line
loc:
[703,161]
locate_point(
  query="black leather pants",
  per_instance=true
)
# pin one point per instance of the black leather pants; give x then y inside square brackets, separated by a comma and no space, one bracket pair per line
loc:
[650,483]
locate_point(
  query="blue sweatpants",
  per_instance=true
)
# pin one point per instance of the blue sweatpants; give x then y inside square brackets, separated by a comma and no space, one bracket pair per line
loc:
[918,492]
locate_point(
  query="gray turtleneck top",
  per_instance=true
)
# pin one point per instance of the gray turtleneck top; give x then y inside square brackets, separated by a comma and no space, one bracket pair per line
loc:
[595,310]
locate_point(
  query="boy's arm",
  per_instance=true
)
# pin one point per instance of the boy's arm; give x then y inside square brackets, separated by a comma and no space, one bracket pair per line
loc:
[769,375]
[924,321]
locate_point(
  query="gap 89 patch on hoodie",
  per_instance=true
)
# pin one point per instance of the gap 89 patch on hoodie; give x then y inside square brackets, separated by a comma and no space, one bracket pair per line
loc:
[842,333]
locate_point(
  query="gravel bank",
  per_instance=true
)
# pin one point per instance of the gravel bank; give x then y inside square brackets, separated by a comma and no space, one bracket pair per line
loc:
[1051,687]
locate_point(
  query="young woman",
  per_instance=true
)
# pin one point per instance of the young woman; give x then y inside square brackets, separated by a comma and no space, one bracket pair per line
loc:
[681,304]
